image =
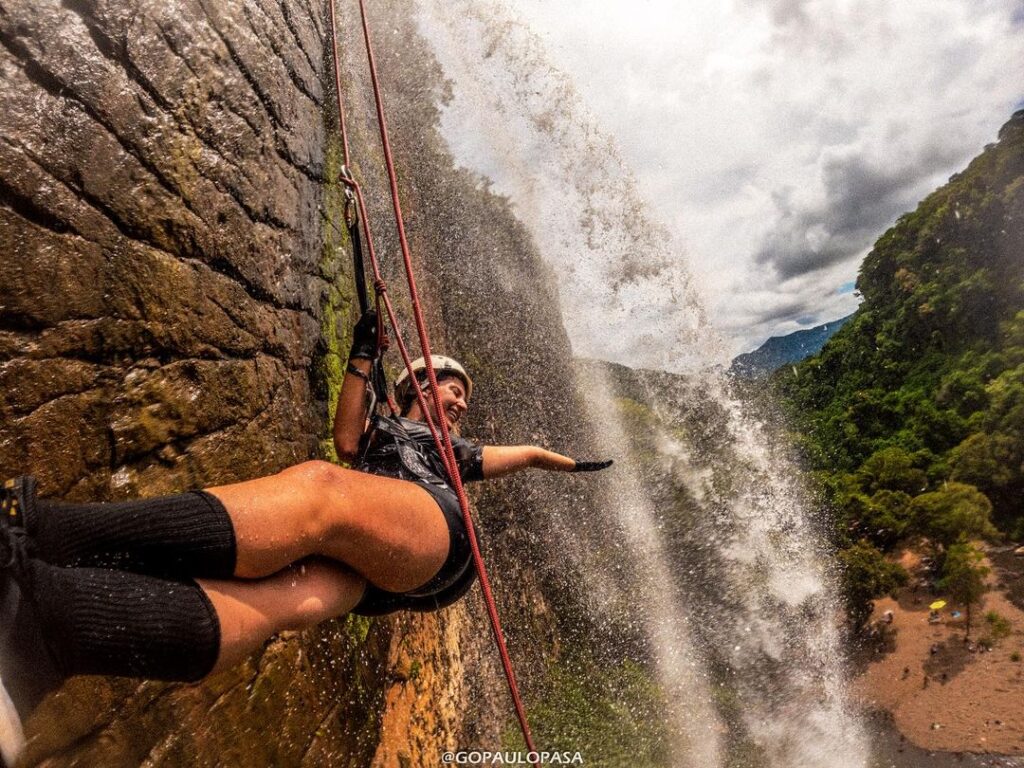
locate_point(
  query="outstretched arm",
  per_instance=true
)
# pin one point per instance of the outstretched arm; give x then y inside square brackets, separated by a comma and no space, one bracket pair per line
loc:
[500,460]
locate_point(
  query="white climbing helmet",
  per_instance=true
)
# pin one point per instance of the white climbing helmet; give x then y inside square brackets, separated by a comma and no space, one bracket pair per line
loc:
[442,365]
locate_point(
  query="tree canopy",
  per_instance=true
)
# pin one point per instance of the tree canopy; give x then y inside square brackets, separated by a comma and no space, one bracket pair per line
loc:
[912,415]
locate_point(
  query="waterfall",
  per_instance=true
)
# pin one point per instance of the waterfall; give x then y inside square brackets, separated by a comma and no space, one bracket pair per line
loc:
[755,610]
[681,670]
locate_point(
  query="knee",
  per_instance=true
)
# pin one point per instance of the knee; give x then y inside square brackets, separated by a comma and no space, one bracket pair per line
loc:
[322,485]
[316,474]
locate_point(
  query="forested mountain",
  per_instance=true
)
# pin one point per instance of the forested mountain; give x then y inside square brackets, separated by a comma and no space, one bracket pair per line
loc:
[784,350]
[913,414]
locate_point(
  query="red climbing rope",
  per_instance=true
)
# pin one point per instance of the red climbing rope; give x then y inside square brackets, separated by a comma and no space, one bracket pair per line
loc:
[443,441]
[379,285]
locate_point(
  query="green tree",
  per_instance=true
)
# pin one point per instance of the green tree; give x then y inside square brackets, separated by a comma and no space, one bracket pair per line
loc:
[955,511]
[964,390]
[963,577]
[892,469]
[887,517]
[867,575]
[986,461]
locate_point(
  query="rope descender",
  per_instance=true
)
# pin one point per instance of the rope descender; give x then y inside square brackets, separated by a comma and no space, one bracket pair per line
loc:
[351,210]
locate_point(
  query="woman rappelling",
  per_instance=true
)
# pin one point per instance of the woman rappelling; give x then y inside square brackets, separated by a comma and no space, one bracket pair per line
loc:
[178,587]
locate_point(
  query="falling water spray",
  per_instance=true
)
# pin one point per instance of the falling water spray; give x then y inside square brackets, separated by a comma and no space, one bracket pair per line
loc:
[768,628]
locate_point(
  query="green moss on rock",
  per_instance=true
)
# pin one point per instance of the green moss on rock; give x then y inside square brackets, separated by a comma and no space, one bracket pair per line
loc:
[610,713]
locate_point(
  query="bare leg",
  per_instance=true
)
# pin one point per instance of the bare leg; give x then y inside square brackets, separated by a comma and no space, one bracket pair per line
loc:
[391,532]
[296,598]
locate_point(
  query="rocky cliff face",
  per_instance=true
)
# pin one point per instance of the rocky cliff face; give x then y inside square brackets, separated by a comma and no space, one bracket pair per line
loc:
[170,307]
[162,312]
[161,173]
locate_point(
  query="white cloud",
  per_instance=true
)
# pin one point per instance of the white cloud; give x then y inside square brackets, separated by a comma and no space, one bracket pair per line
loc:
[777,138]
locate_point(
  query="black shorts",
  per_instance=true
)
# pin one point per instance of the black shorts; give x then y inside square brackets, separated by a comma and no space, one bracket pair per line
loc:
[451,582]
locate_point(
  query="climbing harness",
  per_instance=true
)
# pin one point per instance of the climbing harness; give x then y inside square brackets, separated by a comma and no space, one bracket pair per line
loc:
[439,431]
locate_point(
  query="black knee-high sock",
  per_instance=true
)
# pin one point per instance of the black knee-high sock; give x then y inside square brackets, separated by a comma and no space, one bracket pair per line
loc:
[97,621]
[188,534]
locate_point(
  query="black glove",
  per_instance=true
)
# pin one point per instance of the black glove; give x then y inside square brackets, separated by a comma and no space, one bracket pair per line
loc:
[364,337]
[591,466]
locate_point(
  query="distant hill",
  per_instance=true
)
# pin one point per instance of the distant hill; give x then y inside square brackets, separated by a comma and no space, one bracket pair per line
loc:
[784,350]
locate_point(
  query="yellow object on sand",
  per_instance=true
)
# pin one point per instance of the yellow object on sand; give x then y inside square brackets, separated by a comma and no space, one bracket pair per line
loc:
[937,605]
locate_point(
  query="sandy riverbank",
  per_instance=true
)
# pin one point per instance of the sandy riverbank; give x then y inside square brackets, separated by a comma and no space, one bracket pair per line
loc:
[944,694]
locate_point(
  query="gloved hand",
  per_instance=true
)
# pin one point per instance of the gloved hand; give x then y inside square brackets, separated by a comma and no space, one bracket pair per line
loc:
[364,337]
[591,466]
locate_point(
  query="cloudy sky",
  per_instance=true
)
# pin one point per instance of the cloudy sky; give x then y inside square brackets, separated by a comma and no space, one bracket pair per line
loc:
[777,139]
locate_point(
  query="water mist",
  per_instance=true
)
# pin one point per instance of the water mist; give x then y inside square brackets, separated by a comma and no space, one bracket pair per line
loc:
[754,611]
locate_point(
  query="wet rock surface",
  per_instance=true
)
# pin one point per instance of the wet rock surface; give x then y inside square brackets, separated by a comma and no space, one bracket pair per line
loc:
[161,323]
[161,240]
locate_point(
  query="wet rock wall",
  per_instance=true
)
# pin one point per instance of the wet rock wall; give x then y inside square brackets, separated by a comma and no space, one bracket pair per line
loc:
[166,311]
[160,170]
